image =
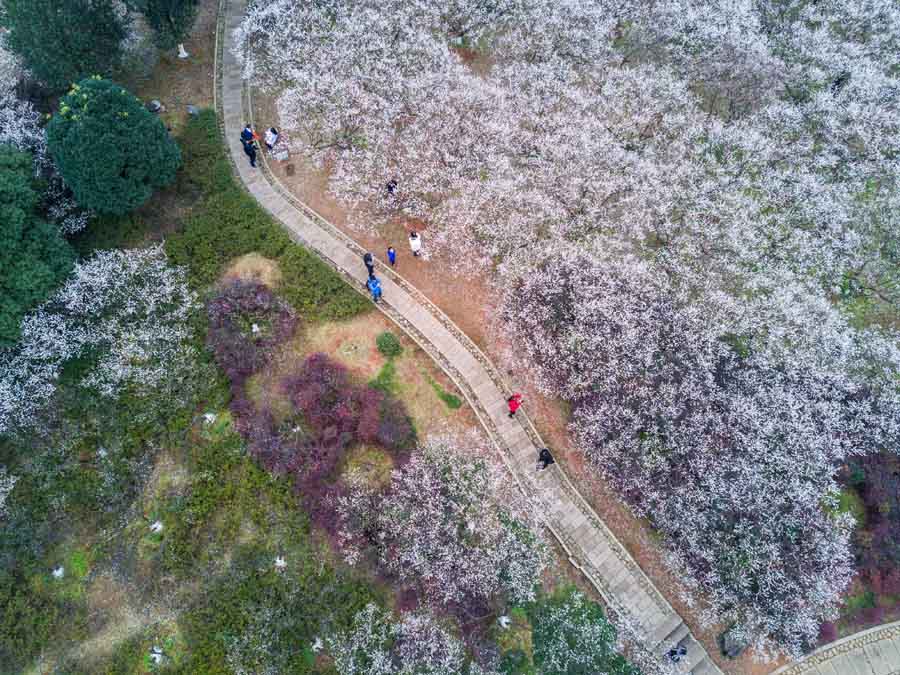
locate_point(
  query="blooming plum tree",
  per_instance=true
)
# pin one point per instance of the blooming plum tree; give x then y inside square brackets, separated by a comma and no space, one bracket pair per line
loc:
[451,522]
[702,415]
[416,645]
[571,635]
[126,312]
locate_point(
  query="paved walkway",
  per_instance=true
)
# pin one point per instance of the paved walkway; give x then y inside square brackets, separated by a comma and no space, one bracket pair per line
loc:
[871,652]
[590,545]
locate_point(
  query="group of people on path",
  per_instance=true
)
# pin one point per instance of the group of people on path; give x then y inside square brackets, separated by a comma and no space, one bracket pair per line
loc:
[250,139]
[373,284]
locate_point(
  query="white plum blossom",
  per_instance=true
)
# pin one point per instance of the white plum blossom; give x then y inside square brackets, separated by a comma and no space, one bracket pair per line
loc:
[723,422]
[571,635]
[127,311]
[416,645]
[21,127]
[452,521]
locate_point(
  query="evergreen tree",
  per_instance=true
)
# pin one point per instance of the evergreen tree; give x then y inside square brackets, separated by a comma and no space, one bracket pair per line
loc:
[34,258]
[110,149]
[62,41]
[171,20]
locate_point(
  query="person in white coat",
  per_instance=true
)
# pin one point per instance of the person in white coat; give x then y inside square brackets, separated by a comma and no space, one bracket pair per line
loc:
[415,242]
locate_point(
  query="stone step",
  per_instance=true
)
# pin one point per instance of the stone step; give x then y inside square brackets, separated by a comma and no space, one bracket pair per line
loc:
[663,630]
[705,667]
[695,654]
[673,639]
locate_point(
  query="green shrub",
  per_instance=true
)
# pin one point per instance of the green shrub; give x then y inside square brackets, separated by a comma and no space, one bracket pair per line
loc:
[30,619]
[226,225]
[171,20]
[315,290]
[450,400]
[386,379]
[106,232]
[263,619]
[34,258]
[206,166]
[388,344]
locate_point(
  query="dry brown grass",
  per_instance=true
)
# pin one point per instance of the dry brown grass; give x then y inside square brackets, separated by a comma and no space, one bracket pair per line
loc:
[254,267]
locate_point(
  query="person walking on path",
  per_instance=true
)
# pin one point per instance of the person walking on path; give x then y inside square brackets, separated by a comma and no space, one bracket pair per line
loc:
[676,653]
[545,459]
[374,287]
[514,402]
[415,243]
[247,134]
[392,256]
[250,151]
[369,261]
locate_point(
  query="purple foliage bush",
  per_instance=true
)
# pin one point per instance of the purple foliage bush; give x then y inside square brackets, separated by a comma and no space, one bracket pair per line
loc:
[334,413]
[246,323]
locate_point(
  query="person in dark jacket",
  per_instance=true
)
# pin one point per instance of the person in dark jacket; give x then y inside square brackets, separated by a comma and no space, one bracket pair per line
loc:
[247,135]
[545,459]
[250,151]
[369,261]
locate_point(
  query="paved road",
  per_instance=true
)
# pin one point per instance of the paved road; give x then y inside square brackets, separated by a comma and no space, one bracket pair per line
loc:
[589,543]
[870,652]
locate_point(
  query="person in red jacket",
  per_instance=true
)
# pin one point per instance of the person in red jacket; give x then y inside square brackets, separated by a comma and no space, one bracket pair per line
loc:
[514,402]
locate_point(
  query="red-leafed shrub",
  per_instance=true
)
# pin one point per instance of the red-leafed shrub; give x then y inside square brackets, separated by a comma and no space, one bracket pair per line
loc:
[246,322]
[333,414]
[338,413]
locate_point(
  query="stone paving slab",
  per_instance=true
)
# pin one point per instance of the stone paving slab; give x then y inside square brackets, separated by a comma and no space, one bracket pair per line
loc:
[875,651]
[589,543]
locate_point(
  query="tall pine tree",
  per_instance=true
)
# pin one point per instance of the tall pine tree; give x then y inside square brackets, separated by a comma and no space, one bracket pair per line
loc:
[63,41]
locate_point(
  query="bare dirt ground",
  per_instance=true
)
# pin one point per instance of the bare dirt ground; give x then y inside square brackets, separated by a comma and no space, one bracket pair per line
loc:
[471,301]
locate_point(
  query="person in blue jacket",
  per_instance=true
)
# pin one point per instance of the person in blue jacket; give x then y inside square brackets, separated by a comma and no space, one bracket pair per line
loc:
[374,286]
[392,256]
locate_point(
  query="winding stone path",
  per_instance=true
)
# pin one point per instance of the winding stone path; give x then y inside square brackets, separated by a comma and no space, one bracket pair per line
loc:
[636,604]
[870,652]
